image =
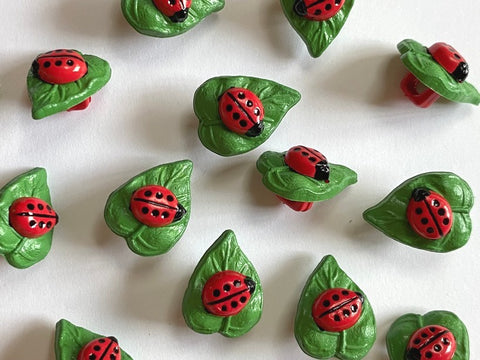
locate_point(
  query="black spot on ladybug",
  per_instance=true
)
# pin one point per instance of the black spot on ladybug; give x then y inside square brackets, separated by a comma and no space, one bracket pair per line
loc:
[304,153]
[441,212]
[249,103]
[92,357]
[430,230]
[148,193]
[46,64]
[32,223]
[318,12]
[297,149]
[417,341]
[328,7]
[170,198]
[326,303]
[346,313]
[256,111]
[96,348]
[58,63]
[424,335]
[172,2]
[30,206]
[337,2]
[69,62]
[116,350]
[113,356]
[155,213]
[159,195]
[345,292]
[418,211]
[226,287]
[165,215]
[216,293]
[224,308]
[457,56]
[234,304]
[145,210]
[237,283]
[445,221]
[336,318]
[424,221]
[58,50]
[437,348]
[436,203]
[312,159]
[229,107]
[243,123]
[101,341]
[236,116]
[428,355]
[243,299]
[445,341]
[49,224]
[354,308]
[49,208]
[241,95]
[336,297]
[41,224]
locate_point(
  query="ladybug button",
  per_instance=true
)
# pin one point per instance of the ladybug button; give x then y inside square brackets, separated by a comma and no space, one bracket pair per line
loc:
[429,214]
[60,66]
[318,10]
[241,111]
[227,292]
[433,342]
[175,10]
[105,348]
[308,161]
[155,206]
[337,309]
[32,217]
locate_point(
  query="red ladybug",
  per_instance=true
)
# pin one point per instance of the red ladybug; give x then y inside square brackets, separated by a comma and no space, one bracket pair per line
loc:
[31,217]
[227,292]
[450,60]
[241,111]
[429,214]
[155,206]
[317,10]
[433,342]
[337,309]
[175,10]
[308,162]
[105,348]
[60,66]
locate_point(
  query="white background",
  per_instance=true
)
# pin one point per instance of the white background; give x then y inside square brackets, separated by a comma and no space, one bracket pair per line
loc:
[352,110]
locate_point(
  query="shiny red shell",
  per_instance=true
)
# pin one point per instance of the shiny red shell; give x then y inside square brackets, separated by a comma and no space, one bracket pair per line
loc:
[337,309]
[318,10]
[227,292]
[176,10]
[241,111]
[433,342]
[60,66]
[31,217]
[105,348]
[429,214]
[450,59]
[308,162]
[155,206]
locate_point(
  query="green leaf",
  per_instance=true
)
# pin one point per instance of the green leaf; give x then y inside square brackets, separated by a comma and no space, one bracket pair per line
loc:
[389,215]
[431,74]
[351,344]
[142,239]
[317,35]
[280,179]
[70,339]
[48,99]
[402,329]
[144,17]
[277,99]
[22,252]
[224,254]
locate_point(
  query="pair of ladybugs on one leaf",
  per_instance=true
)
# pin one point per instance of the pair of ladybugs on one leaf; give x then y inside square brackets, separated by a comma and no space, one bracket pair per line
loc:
[64,79]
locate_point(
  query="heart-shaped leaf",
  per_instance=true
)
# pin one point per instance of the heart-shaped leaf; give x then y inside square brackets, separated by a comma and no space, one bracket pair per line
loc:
[402,329]
[20,251]
[142,239]
[277,99]
[147,19]
[280,179]
[224,254]
[317,35]
[420,63]
[389,215]
[351,344]
[48,99]
[70,339]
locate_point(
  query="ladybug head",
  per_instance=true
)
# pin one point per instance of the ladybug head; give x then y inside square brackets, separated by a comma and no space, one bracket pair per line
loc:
[322,171]
[180,212]
[413,354]
[300,8]
[255,130]
[179,16]
[360,296]
[419,194]
[35,67]
[113,338]
[461,72]
[251,284]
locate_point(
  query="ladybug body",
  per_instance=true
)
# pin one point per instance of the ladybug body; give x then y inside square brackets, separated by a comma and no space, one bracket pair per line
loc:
[227,292]
[308,162]
[429,214]
[175,10]
[105,348]
[32,217]
[241,111]
[337,309]
[155,206]
[60,66]
[432,342]
[318,10]
[450,60]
